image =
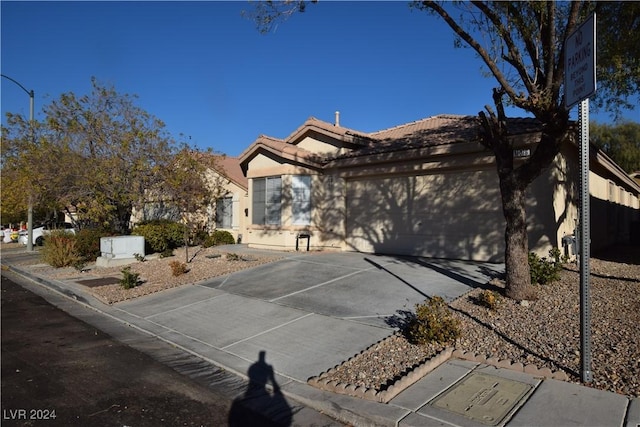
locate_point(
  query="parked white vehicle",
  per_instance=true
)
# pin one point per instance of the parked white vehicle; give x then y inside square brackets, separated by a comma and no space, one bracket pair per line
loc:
[40,232]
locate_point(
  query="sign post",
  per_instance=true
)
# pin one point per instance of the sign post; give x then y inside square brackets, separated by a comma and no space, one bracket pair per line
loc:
[579,85]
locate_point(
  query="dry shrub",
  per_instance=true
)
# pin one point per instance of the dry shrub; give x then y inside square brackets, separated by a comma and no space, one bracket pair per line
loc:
[178,268]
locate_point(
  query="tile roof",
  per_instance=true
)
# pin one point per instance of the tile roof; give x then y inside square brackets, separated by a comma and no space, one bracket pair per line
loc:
[338,132]
[432,131]
[231,170]
[442,125]
[281,148]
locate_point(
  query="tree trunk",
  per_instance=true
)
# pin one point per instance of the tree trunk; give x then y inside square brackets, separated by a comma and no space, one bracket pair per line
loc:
[186,244]
[518,279]
[123,218]
[513,184]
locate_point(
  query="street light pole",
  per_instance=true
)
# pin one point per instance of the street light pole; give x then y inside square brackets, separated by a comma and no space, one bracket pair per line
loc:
[30,202]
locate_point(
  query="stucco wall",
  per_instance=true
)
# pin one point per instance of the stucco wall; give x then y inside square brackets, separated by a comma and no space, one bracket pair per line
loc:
[446,215]
[444,201]
[315,145]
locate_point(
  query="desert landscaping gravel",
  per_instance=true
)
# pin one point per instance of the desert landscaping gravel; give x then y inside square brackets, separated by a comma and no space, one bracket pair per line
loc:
[544,332]
[156,273]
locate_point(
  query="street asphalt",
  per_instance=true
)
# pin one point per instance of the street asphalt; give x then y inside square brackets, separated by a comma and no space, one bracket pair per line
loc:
[308,312]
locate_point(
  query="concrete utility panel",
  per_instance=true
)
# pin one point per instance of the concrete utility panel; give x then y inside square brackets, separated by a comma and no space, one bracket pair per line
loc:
[484,398]
[119,250]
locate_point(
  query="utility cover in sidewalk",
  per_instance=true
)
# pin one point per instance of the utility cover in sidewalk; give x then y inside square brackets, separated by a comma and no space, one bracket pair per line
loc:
[487,399]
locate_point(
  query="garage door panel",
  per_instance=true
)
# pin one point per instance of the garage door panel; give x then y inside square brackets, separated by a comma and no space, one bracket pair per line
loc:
[454,215]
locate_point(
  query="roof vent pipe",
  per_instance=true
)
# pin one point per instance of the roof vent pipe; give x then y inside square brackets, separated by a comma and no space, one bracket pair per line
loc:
[337,118]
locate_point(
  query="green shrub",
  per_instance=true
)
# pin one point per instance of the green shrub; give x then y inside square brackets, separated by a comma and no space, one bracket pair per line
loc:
[129,279]
[160,235]
[88,243]
[208,242]
[433,321]
[219,237]
[199,238]
[178,268]
[167,253]
[545,271]
[60,250]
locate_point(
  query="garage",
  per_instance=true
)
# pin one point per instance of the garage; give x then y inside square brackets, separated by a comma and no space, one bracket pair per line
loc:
[455,215]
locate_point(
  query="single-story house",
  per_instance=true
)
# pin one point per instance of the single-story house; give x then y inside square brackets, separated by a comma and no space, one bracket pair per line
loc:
[425,188]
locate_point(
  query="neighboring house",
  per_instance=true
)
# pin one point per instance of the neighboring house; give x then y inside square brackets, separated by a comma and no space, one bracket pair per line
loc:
[228,209]
[425,188]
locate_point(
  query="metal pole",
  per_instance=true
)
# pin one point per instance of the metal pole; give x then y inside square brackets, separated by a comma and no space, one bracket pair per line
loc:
[585,244]
[30,201]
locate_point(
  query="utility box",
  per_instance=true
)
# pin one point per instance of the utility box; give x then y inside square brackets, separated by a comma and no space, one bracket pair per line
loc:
[120,250]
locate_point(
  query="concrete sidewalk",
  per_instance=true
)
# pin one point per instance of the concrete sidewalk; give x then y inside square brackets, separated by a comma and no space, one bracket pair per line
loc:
[308,312]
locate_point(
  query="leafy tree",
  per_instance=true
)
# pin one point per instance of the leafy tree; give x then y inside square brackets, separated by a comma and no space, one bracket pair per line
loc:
[618,55]
[114,152]
[521,44]
[30,170]
[94,154]
[620,141]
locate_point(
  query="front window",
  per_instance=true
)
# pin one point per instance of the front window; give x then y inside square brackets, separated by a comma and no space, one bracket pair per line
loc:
[267,200]
[301,199]
[224,212]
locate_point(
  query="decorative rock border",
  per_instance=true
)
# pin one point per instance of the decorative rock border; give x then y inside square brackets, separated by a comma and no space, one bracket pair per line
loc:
[410,377]
[508,364]
[384,396]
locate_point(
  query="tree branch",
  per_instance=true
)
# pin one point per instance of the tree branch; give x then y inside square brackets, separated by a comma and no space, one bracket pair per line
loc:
[514,58]
[474,44]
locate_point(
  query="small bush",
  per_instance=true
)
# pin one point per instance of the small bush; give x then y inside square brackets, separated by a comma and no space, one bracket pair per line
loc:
[88,243]
[199,238]
[433,321]
[167,253]
[208,242]
[233,257]
[129,279]
[489,299]
[139,257]
[160,235]
[219,237]
[178,268]
[545,271]
[60,250]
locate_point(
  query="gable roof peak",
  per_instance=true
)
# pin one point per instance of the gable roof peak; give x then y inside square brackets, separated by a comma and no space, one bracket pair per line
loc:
[330,129]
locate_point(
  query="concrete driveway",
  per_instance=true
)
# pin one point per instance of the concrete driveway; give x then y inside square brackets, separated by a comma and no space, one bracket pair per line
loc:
[308,311]
[358,287]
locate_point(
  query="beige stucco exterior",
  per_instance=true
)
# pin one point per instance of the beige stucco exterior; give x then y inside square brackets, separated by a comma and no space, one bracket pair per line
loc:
[427,199]
[239,203]
[227,181]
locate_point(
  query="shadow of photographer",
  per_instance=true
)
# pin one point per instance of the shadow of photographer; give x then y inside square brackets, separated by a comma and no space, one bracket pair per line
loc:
[263,396]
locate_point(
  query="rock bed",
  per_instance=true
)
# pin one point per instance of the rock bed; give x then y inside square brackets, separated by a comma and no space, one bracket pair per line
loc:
[156,274]
[542,334]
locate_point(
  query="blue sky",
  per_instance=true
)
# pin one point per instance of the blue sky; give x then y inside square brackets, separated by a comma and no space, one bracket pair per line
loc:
[210,75]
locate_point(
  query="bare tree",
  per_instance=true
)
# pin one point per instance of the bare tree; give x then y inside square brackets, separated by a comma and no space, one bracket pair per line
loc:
[187,185]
